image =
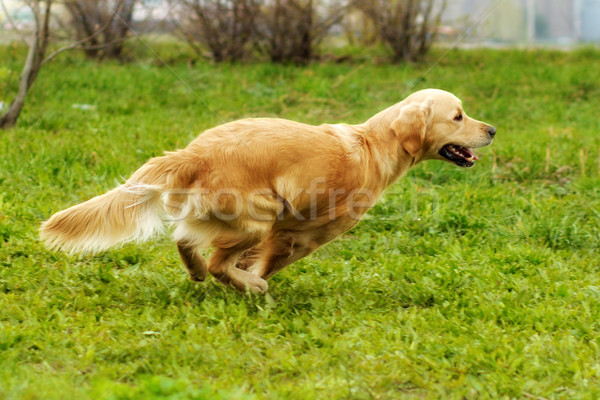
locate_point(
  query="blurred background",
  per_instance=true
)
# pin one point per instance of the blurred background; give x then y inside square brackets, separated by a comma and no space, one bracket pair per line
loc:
[498,22]
[278,31]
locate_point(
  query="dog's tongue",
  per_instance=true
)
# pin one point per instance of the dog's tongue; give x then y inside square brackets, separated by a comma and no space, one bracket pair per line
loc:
[464,152]
[470,153]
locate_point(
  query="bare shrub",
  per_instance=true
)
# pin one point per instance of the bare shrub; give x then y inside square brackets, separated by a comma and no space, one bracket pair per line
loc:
[358,29]
[290,30]
[88,15]
[407,27]
[225,27]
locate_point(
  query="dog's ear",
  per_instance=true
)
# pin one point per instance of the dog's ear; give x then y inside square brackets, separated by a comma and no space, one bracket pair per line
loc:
[411,125]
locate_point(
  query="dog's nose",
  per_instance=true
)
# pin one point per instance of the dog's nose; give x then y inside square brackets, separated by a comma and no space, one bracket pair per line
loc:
[492,131]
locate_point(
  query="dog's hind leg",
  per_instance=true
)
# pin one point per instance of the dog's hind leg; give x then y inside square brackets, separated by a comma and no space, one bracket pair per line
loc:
[282,248]
[193,261]
[222,265]
[276,252]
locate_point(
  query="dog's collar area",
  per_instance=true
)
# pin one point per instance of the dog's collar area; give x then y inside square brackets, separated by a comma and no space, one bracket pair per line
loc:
[459,155]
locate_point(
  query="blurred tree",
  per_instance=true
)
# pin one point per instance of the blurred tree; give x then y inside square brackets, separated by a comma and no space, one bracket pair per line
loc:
[358,29]
[290,30]
[88,15]
[225,27]
[407,27]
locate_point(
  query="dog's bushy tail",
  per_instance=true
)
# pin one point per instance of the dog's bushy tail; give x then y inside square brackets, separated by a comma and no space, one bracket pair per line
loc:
[132,211]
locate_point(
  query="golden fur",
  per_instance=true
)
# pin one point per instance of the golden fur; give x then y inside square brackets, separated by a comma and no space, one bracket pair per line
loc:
[265,192]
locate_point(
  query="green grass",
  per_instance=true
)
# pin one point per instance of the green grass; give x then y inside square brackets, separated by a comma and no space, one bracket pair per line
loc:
[461,284]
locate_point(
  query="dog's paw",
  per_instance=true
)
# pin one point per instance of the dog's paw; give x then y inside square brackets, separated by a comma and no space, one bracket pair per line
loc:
[247,282]
[197,276]
[258,286]
[197,272]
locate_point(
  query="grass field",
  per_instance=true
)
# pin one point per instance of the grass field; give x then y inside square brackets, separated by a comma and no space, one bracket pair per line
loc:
[461,284]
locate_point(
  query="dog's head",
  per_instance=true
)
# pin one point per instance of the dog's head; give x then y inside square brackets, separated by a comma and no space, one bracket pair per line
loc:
[433,125]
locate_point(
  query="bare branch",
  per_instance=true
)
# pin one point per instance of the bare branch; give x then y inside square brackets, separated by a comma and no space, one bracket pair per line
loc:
[79,43]
[103,45]
[37,49]
[32,65]
[100,22]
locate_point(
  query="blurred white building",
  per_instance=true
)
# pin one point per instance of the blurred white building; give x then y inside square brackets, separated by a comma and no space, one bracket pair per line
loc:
[526,21]
[561,22]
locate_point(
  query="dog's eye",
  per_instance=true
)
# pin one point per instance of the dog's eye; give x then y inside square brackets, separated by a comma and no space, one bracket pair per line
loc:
[459,117]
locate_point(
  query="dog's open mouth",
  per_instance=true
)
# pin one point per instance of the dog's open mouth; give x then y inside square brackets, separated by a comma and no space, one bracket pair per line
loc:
[459,155]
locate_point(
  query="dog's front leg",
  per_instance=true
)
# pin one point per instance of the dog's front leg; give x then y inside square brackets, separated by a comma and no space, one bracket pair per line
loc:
[279,250]
[285,247]
[222,265]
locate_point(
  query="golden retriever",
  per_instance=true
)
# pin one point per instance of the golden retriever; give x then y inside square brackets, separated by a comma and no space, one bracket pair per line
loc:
[265,192]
